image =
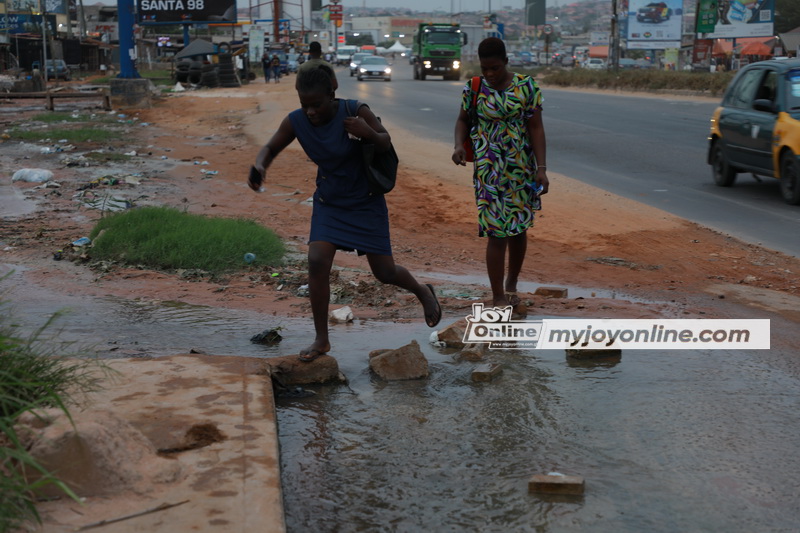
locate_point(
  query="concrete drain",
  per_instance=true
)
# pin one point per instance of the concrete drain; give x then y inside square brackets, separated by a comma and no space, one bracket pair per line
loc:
[197,436]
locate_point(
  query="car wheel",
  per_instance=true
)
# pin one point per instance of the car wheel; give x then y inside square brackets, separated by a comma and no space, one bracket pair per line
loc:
[790,178]
[351,74]
[388,79]
[724,173]
[359,78]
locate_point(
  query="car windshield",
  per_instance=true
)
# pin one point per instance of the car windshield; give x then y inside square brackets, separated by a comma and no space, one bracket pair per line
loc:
[373,61]
[793,90]
[359,57]
[441,37]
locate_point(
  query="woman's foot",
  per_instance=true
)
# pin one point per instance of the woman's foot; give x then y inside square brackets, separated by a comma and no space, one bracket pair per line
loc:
[433,311]
[315,351]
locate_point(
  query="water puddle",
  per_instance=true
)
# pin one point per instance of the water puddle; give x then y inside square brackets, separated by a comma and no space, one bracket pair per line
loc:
[526,287]
[666,441]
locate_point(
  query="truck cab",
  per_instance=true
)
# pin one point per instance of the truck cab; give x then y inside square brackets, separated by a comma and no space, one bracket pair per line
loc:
[437,51]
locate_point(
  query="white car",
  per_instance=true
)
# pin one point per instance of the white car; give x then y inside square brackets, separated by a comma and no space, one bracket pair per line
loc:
[595,63]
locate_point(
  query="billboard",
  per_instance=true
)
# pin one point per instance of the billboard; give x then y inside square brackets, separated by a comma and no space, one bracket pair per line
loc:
[33,6]
[743,18]
[185,11]
[535,13]
[14,23]
[655,22]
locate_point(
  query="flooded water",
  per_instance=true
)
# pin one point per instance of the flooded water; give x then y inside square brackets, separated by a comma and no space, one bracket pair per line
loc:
[666,441]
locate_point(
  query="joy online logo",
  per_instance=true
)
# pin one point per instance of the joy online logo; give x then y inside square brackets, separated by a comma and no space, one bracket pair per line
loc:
[494,326]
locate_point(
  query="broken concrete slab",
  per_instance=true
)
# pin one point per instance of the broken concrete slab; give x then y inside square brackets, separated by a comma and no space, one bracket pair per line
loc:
[552,292]
[486,372]
[556,483]
[290,370]
[406,362]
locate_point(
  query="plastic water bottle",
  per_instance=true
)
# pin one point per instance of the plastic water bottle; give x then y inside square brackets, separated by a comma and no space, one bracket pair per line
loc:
[249,258]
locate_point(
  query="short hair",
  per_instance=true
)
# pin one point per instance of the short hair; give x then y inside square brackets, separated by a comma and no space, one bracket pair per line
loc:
[317,78]
[314,47]
[492,47]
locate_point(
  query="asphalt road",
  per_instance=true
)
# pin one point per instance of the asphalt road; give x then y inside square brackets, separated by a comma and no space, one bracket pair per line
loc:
[652,150]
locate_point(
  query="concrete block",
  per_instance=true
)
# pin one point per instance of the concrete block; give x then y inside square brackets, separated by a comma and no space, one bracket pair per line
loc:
[551,292]
[453,335]
[555,483]
[133,93]
[486,372]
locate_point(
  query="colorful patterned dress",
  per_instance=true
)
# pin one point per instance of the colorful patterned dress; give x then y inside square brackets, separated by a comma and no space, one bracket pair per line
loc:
[504,162]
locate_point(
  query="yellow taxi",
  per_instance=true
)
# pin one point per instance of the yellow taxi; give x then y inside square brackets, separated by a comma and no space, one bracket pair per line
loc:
[756,128]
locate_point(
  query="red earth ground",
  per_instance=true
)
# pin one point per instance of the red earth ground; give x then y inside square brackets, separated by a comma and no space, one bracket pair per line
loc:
[656,265]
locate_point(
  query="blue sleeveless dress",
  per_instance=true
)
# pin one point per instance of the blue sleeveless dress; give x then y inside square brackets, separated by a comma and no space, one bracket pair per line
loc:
[344,212]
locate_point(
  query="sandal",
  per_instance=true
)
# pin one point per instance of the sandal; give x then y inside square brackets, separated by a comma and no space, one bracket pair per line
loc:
[433,319]
[312,355]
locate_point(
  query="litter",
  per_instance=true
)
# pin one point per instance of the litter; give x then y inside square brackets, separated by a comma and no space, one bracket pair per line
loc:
[83,241]
[32,175]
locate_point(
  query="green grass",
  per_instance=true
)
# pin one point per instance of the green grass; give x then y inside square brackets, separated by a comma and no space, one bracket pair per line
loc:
[107,157]
[166,238]
[32,377]
[72,135]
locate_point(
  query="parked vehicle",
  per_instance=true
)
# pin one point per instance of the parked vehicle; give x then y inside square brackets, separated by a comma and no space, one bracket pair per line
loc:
[756,128]
[374,67]
[355,61]
[437,50]
[627,63]
[595,63]
[514,60]
[56,69]
[654,12]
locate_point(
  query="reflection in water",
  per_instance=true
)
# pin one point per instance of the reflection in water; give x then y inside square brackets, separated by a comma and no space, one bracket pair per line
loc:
[667,441]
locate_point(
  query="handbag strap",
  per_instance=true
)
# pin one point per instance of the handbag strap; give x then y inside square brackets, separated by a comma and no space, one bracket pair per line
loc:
[476,84]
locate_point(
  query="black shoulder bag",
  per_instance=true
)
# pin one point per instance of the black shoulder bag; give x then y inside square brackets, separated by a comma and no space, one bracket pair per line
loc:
[381,167]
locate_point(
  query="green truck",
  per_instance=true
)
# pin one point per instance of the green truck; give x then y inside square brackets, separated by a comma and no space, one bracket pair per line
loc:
[437,50]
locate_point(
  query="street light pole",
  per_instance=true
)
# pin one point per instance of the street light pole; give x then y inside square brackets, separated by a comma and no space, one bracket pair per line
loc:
[42,10]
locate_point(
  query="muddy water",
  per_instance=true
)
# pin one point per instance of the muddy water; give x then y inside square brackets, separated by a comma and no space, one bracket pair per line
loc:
[666,441]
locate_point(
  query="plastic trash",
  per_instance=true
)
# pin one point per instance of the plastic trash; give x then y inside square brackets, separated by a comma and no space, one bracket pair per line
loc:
[343,314]
[249,258]
[83,241]
[32,175]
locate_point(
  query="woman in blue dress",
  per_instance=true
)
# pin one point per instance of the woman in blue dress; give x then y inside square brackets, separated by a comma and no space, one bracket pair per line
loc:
[345,215]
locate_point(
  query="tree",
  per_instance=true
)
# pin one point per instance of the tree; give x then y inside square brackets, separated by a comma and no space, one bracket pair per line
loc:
[787,15]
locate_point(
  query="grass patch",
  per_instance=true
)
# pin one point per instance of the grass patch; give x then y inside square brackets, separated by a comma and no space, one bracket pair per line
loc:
[107,157]
[72,135]
[708,83]
[32,377]
[166,238]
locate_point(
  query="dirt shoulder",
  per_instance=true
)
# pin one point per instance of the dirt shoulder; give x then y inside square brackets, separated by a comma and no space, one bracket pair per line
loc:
[622,258]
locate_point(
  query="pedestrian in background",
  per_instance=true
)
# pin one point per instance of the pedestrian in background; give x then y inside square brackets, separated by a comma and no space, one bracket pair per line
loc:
[345,215]
[276,68]
[266,64]
[509,171]
[314,60]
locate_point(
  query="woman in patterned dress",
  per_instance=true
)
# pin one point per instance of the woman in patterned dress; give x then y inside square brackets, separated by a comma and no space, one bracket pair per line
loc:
[510,163]
[345,215]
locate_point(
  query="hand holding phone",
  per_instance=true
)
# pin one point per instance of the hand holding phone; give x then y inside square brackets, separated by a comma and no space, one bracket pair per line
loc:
[255,180]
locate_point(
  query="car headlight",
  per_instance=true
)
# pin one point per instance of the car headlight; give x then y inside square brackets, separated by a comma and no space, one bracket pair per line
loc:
[362,70]
[387,70]
[456,64]
[353,65]
[427,64]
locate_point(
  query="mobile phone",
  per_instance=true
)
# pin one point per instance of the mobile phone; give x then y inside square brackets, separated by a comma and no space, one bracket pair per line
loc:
[256,178]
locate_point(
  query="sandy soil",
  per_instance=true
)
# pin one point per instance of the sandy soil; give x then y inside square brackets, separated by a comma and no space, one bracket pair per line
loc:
[595,243]
[584,237]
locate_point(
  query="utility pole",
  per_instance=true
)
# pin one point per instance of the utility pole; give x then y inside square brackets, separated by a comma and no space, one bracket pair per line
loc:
[613,59]
[42,10]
